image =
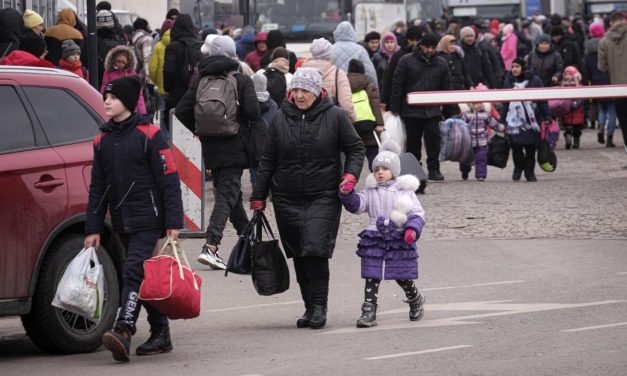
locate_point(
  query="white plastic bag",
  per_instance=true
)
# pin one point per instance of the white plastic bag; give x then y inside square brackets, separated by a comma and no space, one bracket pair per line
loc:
[394,129]
[81,287]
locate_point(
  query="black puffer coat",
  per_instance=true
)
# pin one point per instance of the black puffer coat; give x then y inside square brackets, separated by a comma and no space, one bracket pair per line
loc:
[547,65]
[460,79]
[301,165]
[415,73]
[388,74]
[478,65]
[182,38]
[221,152]
[135,178]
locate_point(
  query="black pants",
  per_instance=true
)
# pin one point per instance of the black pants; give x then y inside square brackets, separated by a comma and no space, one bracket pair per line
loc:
[312,274]
[139,248]
[430,128]
[228,203]
[524,159]
[371,289]
[621,115]
[371,154]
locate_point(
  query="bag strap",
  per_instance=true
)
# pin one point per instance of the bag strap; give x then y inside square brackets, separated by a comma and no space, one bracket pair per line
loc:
[263,225]
[336,100]
[175,250]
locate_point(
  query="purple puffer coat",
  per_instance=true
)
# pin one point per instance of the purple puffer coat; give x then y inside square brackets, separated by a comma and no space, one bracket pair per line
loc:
[392,209]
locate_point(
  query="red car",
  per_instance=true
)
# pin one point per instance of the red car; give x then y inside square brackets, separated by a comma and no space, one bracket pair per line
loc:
[49,118]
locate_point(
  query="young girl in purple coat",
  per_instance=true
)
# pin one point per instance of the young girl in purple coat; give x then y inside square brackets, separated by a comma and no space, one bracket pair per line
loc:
[388,245]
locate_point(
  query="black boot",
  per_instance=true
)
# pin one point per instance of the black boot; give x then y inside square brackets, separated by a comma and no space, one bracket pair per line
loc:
[516,175]
[610,144]
[416,309]
[118,341]
[318,316]
[368,315]
[305,320]
[159,342]
[600,138]
[576,142]
[435,175]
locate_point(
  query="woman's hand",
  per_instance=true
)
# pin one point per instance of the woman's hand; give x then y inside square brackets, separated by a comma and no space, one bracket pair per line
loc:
[92,240]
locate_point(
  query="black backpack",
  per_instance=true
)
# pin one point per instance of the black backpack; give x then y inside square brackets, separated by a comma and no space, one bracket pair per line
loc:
[277,86]
[191,58]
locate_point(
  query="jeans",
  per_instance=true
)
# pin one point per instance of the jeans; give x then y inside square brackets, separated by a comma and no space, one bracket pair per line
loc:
[621,114]
[139,248]
[524,157]
[607,111]
[481,162]
[430,128]
[228,203]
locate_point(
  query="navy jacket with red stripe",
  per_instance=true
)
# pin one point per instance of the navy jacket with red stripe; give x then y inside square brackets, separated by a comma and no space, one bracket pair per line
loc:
[134,176]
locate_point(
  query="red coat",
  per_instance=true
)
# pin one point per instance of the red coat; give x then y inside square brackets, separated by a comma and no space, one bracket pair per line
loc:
[25,59]
[574,117]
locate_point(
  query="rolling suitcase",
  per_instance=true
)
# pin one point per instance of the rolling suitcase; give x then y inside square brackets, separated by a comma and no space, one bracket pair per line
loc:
[410,165]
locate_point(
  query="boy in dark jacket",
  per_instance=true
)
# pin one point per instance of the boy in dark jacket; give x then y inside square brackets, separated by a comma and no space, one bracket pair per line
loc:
[225,156]
[135,179]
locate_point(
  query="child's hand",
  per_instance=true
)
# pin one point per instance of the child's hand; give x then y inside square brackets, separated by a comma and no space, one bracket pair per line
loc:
[410,236]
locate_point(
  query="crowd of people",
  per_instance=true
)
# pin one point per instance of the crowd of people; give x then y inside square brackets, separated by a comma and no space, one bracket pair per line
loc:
[314,120]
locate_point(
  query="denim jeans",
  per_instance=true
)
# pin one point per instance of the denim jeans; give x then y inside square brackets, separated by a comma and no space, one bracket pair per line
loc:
[607,111]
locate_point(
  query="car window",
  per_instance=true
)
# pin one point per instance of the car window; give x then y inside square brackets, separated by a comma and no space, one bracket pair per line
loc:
[16,130]
[64,119]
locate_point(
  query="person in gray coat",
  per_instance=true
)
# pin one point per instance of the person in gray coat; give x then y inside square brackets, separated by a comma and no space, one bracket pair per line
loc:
[346,48]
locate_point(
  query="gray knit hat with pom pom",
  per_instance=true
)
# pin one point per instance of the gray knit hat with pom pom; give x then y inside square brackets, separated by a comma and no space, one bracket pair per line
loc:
[388,157]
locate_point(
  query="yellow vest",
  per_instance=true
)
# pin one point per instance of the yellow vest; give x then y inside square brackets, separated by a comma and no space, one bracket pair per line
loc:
[363,111]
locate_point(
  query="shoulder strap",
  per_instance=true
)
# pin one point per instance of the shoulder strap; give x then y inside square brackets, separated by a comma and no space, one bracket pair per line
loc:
[335,98]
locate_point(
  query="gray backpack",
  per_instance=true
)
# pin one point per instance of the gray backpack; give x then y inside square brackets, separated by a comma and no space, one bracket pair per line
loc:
[216,106]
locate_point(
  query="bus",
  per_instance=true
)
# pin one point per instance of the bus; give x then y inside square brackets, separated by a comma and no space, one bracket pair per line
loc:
[301,21]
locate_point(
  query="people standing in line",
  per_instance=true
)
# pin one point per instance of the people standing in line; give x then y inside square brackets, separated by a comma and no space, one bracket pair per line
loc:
[414,34]
[389,46]
[509,46]
[573,121]
[477,63]
[387,246]
[479,118]
[55,35]
[523,121]
[302,167]
[367,113]
[133,178]
[449,51]
[612,52]
[423,120]
[121,62]
[334,79]
[225,156]
[71,59]
[253,58]
[155,68]
[546,62]
[372,43]
[345,48]
[605,107]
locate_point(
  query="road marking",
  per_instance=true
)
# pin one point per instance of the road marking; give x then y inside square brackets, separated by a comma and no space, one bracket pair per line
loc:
[251,306]
[622,273]
[594,327]
[474,285]
[417,352]
[502,308]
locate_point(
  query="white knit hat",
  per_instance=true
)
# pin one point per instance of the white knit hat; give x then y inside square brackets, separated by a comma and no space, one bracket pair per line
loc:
[321,49]
[309,79]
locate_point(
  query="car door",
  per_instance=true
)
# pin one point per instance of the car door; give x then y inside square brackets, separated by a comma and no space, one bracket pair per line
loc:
[33,192]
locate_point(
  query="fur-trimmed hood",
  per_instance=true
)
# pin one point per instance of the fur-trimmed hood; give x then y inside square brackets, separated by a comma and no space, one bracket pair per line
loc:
[408,182]
[403,205]
[115,51]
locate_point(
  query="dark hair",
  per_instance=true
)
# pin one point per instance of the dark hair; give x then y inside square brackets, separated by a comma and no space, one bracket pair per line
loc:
[141,23]
[371,36]
[356,66]
[172,12]
[279,52]
[103,5]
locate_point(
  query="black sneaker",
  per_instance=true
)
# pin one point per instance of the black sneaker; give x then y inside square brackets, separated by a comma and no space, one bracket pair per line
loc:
[159,342]
[118,341]
[435,175]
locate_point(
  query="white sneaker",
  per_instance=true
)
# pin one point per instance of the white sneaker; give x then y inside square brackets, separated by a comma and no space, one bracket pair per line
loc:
[213,260]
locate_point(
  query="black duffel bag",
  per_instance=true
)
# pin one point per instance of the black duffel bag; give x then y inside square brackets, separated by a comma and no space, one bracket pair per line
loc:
[240,259]
[498,151]
[269,268]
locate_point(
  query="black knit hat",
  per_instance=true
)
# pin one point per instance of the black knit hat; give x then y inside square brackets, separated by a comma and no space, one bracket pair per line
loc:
[413,33]
[520,62]
[371,36]
[33,44]
[126,89]
[356,66]
[429,40]
[142,24]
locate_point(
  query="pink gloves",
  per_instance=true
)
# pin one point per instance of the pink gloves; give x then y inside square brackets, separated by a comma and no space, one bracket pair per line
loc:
[258,205]
[347,184]
[410,236]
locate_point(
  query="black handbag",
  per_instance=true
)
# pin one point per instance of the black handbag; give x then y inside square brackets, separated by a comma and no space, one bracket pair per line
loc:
[269,269]
[498,151]
[240,260]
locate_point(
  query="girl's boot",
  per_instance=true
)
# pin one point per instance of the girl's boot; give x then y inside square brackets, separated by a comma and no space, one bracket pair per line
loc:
[416,309]
[600,136]
[568,137]
[368,315]
[577,136]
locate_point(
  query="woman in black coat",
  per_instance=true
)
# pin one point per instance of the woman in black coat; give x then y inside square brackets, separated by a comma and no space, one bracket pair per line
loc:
[523,119]
[302,167]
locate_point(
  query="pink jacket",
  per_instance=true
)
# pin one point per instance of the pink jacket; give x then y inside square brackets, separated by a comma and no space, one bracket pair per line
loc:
[509,50]
[111,73]
[344,95]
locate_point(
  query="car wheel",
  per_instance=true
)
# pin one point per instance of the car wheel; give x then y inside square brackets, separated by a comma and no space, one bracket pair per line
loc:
[55,330]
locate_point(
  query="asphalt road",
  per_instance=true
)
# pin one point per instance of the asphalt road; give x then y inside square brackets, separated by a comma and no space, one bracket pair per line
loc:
[519,279]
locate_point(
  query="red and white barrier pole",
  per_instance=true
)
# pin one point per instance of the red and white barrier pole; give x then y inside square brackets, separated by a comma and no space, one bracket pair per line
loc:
[508,95]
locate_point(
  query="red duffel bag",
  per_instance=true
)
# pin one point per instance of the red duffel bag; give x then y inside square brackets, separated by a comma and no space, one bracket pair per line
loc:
[169,285]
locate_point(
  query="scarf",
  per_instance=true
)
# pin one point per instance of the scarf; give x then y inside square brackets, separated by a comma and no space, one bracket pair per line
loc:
[75,68]
[520,115]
